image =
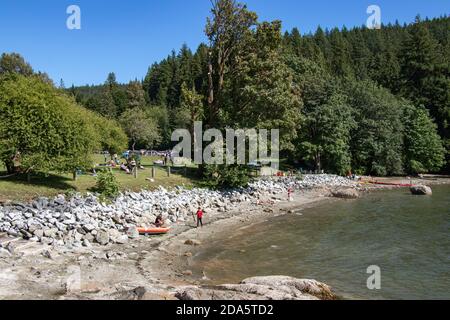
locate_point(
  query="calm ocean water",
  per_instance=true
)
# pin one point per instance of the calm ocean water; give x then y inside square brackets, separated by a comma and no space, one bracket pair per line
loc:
[406,236]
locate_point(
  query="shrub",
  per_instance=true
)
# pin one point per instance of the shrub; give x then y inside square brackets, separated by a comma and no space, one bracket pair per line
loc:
[44,129]
[225,176]
[107,184]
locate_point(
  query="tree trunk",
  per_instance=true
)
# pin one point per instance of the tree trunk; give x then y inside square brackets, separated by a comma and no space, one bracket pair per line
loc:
[211,91]
[318,162]
[9,164]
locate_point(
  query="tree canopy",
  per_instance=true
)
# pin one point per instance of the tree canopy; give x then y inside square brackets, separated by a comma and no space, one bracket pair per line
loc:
[344,99]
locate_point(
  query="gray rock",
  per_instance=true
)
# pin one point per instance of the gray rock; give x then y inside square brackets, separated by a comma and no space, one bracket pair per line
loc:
[27,215]
[32,211]
[60,200]
[89,237]
[26,234]
[86,243]
[51,233]
[192,242]
[37,205]
[312,287]
[69,222]
[421,190]
[13,233]
[42,202]
[39,233]
[345,193]
[68,215]
[49,254]
[89,227]
[260,288]
[121,239]
[87,215]
[102,237]
[47,240]
[4,253]
[138,293]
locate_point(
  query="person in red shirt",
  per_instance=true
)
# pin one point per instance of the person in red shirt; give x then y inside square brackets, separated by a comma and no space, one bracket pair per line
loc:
[290,194]
[199,217]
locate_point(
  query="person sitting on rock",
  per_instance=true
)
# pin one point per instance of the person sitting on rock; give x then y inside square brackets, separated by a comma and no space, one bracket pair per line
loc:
[159,222]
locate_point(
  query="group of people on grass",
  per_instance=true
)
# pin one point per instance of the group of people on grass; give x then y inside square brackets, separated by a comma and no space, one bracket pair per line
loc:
[132,161]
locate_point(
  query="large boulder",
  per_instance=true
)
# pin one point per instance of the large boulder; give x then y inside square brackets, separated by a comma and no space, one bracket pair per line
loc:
[260,288]
[345,193]
[312,287]
[421,190]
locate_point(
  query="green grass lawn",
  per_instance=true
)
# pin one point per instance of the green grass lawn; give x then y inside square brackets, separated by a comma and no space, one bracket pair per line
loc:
[17,188]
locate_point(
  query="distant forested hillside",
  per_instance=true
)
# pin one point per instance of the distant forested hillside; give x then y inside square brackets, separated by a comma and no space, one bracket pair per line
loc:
[367,101]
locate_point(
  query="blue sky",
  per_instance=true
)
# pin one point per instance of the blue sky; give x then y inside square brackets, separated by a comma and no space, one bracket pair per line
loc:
[127,36]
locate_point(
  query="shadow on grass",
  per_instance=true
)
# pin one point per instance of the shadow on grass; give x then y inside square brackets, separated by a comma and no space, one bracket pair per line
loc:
[50,181]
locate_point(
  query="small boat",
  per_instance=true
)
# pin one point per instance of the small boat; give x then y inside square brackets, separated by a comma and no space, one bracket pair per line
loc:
[153,231]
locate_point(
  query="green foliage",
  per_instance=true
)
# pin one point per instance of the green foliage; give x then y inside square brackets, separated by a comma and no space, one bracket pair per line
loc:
[423,147]
[140,128]
[135,95]
[377,141]
[191,109]
[327,119]
[41,127]
[262,94]
[109,133]
[426,75]
[15,63]
[249,75]
[411,61]
[225,176]
[107,185]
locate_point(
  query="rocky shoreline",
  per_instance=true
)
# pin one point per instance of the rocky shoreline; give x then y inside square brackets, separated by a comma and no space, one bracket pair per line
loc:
[131,267]
[81,221]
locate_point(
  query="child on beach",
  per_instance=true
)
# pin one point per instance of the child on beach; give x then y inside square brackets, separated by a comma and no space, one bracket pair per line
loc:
[290,194]
[199,217]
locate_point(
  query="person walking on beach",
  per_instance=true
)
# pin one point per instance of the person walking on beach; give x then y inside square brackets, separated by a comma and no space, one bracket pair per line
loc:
[199,217]
[290,194]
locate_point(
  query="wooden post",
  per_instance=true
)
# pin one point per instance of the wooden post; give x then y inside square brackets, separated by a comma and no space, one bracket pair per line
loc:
[135,172]
[28,176]
[153,172]
[168,171]
[75,175]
